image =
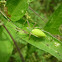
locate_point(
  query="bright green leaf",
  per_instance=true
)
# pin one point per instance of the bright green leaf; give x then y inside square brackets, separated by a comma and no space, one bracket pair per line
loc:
[48,44]
[17,8]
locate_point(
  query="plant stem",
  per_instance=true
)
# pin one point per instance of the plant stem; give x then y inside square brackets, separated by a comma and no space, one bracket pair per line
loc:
[4,15]
[36,13]
[18,49]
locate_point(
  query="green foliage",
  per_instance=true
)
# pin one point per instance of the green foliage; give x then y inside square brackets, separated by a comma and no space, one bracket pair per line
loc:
[40,22]
[17,8]
[48,44]
[33,49]
[2,4]
[6,44]
[50,6]
[30,0]
[5,48]
[55,22]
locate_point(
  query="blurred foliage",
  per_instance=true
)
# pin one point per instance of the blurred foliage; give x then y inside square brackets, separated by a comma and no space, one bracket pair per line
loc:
[44,9]
[54,24]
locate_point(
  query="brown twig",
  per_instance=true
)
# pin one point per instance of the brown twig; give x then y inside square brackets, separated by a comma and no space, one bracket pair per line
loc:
[36,13]
[18,49]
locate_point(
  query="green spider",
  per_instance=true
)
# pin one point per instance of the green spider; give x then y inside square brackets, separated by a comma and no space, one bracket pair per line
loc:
[38,33]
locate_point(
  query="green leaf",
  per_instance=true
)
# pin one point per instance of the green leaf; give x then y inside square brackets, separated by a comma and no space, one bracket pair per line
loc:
[48,44]
[17,8]
[55,22]
[6,44]
[5,50]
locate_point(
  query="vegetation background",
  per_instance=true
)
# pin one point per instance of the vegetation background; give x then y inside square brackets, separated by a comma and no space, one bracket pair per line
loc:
[25,16]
